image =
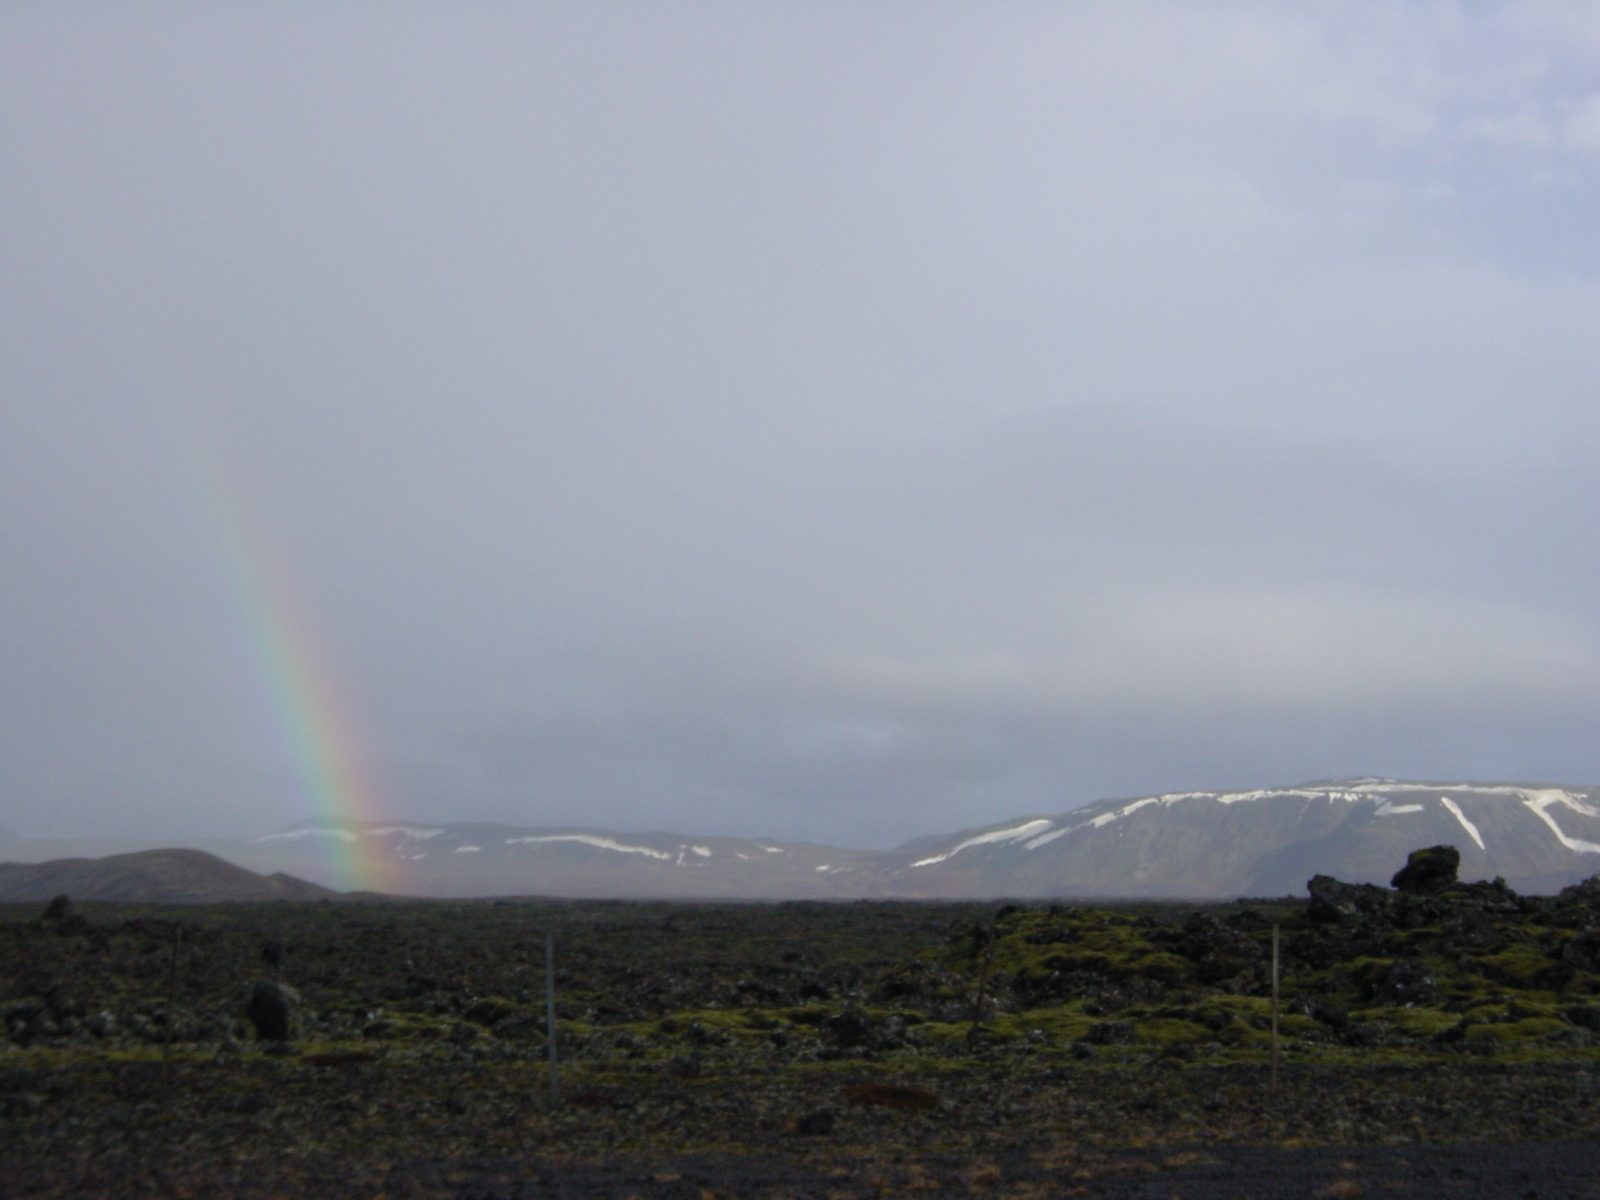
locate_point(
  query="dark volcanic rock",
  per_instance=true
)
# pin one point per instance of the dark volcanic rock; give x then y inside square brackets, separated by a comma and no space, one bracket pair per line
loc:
[1218,951]
[851,1029]
[1583,951]
[1587,892]
[1332,900]
[1407,981]
[892,1095]
[816,1124]
[271,1011]
[1110,1033]
[1428,872]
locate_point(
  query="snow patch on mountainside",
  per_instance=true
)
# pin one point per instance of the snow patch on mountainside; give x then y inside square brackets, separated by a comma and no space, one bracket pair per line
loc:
[589,839]
[1017,834]
[1455,811]
[290,835]
[1358,790]
[1390,809]
[1541,802]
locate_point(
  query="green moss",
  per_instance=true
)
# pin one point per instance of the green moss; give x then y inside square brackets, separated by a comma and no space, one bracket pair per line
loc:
[1238,1033]
[1502,1033]
[1251,1008]
[1163,967]
[1298,1025]
[1167,1032]
[1416,1022]
[809,1015]
[490,1009]
[1521,967]
[1079,940]
[940,1033]
[409,1027]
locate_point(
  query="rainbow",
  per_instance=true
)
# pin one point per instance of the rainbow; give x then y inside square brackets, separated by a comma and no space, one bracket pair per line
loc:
[316,717]
[312,710]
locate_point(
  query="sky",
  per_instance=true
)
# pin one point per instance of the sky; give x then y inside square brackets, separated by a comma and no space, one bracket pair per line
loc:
[832,421]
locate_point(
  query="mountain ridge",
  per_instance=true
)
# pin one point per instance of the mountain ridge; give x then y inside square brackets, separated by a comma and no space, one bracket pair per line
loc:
[1172,845]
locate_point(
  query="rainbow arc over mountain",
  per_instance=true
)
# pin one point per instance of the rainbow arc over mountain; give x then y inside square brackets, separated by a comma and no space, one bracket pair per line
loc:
[315,717]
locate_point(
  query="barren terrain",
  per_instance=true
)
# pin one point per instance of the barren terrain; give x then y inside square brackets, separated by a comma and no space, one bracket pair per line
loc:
[1430,1044]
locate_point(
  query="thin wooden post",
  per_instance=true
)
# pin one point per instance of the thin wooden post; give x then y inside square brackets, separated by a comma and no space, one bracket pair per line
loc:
[1274,1009]
[978,999]
[172,1004]
[550,1013]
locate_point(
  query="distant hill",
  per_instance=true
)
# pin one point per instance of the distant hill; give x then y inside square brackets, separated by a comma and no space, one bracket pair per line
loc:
[152,877]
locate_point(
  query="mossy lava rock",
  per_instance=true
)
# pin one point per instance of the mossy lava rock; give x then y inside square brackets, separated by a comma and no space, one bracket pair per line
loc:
[1428,872]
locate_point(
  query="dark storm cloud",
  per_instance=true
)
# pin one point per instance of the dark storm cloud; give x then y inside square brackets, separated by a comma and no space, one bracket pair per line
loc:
[811,420]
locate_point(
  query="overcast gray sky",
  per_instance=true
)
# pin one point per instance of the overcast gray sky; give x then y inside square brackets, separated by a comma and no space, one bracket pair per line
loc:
[843,421]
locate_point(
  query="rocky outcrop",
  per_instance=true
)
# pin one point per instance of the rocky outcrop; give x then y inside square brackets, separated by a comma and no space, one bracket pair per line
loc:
[1428,872]
[1332,900]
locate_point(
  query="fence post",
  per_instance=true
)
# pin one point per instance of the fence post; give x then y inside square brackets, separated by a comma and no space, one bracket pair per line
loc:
[1275,1009]
[172,1004]
[550,1012]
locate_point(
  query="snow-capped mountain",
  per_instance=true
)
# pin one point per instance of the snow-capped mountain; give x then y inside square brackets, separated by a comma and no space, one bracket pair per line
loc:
[1180,844]
[1266,842]
[480,860]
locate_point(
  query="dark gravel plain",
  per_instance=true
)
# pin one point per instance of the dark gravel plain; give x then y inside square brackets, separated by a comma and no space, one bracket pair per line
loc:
[1431,1047]
[1528,1171]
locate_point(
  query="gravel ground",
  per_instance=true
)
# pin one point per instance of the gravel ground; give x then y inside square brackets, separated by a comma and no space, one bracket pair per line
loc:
[455,1127]
[803,1053]
[1529,1171]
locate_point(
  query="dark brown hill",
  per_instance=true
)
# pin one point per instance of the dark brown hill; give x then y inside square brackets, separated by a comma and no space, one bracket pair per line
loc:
[151,877]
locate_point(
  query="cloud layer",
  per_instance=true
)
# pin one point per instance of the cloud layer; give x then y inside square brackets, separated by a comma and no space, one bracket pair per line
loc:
[810,420]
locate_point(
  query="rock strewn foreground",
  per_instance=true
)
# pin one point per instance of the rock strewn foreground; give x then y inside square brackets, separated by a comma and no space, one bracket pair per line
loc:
[866,1049]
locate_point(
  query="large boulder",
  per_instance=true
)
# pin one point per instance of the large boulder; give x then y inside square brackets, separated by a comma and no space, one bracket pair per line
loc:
[271,1011]
[1428,872]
